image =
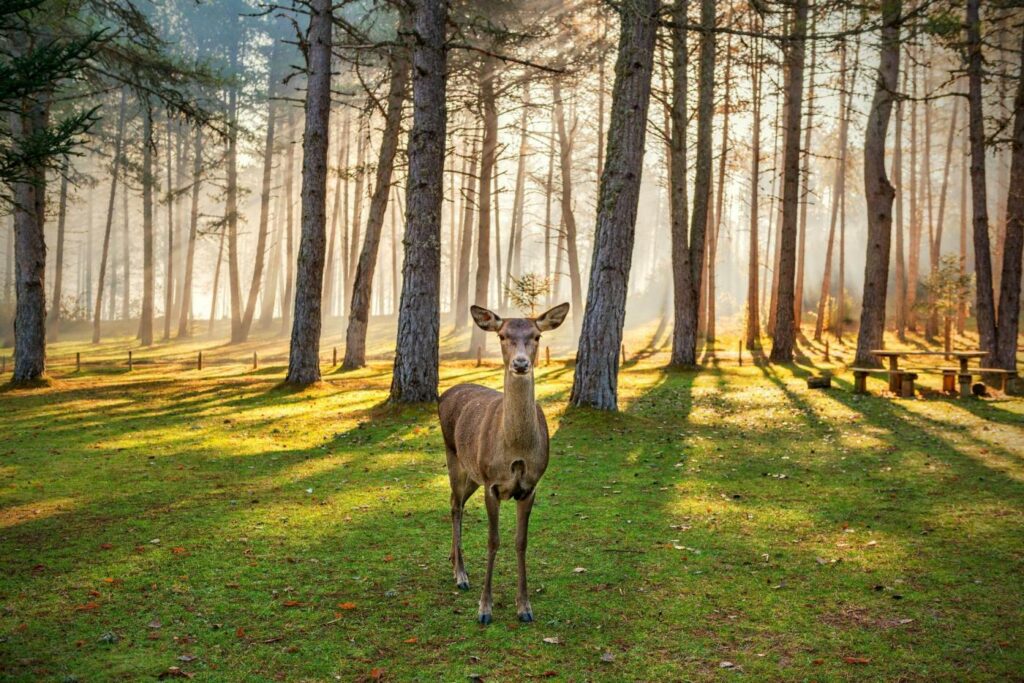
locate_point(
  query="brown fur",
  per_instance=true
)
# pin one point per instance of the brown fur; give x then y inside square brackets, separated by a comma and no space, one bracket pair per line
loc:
[498,441]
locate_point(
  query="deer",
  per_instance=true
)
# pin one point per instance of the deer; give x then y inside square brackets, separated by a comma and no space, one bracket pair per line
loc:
[498,441]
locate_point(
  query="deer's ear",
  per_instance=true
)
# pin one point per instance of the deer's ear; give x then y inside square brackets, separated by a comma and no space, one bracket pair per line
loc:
[553,318]
[485,320]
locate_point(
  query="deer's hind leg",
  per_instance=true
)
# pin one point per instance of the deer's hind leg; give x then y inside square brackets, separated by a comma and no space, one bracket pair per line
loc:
[462,488]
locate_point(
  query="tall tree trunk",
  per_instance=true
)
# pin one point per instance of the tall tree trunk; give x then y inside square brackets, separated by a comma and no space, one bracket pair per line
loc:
[216,284]
[597,360]
[805,174]
[126,261]
[148,180]
[416,352]
[514,260]
[169,277]
[466,242]
[231,200]
[901,276]
[935,244]
[565,144]
[1013,239]
[242,333]
[549,192]
[838,184]
[498,278]
[984,303]
[30,120]
[355,336]
[330,270]
[879,192]
[916,213]
[961,318]
[287,298]
[357,204]
[185,314]
[490,144]
[752,329]
[114,174]
[709,334]
[304,350]
[268,303]
[784,338]
[53,321]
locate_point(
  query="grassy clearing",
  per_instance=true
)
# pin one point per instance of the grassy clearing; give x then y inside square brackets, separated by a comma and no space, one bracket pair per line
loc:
[218,523]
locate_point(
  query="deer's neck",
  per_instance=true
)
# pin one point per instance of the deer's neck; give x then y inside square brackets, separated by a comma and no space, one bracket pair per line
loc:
[519,413]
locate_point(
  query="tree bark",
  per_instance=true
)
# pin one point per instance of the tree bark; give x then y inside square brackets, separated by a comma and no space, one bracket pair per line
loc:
[53,321]
[805,174]
[916,217]
[169,272]
[359,315]
[901,276]
[597,361]
[784,337]
[216,284]
[415,372]
[689,250]
[330,270]
[752,329]
[231,199]
[287,299]
[879,192]
[185,314]
[565,144]
[30,120]
[126,255]
[466,241]
[483,246]
[148,180]
[514,260]
[716,225]
[242,333]
[114,172]
[304,350]
[1013,239]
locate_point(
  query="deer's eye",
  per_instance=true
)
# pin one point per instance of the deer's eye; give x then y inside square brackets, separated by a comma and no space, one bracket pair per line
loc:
[536,338]
[501,337]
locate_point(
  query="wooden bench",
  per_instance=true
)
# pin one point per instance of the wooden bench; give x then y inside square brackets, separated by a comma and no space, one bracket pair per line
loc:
[860,378]
[1005,376]
[906,383]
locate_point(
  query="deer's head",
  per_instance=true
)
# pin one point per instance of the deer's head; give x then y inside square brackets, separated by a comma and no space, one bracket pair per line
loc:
[520,337]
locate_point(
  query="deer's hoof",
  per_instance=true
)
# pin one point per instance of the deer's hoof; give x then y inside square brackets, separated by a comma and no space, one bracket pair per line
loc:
[484,618]
[526,617]
[462,585]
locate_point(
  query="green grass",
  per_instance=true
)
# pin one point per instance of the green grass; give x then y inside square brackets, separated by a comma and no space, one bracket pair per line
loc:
[730,515]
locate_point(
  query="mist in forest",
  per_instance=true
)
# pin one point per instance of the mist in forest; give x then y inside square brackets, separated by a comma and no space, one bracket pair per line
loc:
[194,171]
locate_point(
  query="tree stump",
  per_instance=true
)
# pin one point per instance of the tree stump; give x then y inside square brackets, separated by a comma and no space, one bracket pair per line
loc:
[819,382]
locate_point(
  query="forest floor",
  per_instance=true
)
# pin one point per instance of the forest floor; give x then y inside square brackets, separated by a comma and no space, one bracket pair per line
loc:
[727,523]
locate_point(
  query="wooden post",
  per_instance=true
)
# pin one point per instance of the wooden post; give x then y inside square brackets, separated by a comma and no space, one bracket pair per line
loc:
[199,362]
[129,360]
[623,354]
[334,357]
[739,347]
[547,354]
[479,355]
[78,361]
[826,349]
[255,361]
[3,365]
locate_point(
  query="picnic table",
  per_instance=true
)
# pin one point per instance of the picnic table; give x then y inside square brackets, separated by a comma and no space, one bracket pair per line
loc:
[900,380]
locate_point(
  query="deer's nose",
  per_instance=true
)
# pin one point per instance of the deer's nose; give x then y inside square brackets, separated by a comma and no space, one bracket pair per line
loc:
[520,365]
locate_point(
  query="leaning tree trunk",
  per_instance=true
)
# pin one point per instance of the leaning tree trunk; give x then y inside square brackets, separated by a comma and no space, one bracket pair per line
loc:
[597,360]
[146,318]
[184,328]
[466,242]
[416,351]
[304,352]
[53,321]
[1013,240]
[355,336]
[242,333]
[688,250]
[30,248]
[483,247]
[879,192]
[568,216]
[984,304]
[115,170]
[784,335]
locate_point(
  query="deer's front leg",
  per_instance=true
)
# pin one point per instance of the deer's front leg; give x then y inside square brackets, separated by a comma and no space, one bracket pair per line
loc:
[523,508]
[491,502]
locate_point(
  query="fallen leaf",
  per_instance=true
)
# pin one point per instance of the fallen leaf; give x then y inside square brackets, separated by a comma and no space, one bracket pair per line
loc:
[388,558]
[106,546]
[607,658]
[412,640]
[88,607]
[155,624]
[856,660]
[347,605]
[726,665]
[240,632]
[178,550]
[553,640]
[292,603]
[377,673]
[175,672]
[579,570]
[187,658]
